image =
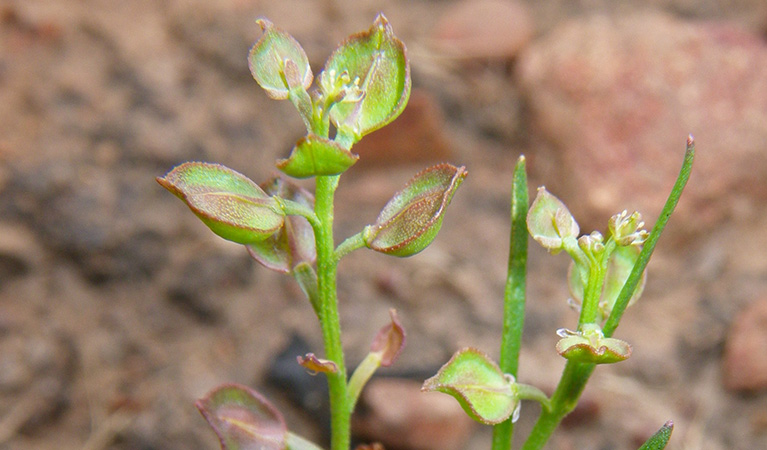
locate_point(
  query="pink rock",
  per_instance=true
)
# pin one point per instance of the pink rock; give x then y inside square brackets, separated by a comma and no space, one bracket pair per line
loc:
[399,415]
[745,355]
[616,97]
[483,29]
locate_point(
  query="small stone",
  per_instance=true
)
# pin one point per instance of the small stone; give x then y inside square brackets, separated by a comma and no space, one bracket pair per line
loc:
[416,136]
[483,29]
[396,413]
[19,251]
[745,354]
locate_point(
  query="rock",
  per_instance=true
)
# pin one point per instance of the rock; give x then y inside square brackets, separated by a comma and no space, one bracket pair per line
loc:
[615,98]
[417,135]
[745,355]
[397,414]
[19,251]
[483,29]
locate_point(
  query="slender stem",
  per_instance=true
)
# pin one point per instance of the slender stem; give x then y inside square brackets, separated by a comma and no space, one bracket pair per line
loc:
[514,293]
[361,375]
[340,413]
[592,294]
[349,245]
[571,385]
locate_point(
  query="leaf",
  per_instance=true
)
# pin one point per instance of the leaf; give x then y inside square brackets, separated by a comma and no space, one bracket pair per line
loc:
[243,419]
[314,155]
[412,218]
[294,243]
[659,440]
[229,203]
[485,393]
[376,66]
[268,57]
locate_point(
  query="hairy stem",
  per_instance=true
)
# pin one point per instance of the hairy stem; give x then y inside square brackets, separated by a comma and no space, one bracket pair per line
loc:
[340,413]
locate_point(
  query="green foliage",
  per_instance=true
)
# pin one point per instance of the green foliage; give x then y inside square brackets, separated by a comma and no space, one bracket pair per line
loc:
[659,440]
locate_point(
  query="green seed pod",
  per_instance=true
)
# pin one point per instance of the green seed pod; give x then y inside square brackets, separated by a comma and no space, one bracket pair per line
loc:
[229,203]
[413,217]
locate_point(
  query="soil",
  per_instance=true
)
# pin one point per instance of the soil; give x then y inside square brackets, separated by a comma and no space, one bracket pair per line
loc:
[118,308]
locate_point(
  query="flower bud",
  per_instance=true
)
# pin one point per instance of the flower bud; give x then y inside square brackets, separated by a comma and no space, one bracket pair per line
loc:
[627,230]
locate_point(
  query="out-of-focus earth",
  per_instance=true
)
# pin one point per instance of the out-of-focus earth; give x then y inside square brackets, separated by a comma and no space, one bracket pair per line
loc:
[118,308]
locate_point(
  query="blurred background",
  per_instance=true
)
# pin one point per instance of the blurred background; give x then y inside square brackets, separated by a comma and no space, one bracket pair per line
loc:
[118,308]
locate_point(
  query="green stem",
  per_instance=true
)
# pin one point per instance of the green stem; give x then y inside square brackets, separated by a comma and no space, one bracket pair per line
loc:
[340,413]
[571,385]
[592,294]
[349,245]
[361,375]
[514,293]
[644,256]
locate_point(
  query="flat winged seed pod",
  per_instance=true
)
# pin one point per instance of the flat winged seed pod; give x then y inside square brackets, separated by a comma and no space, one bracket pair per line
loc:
[550,222]
[413,217]
[243,419]
[268,58]
[314,155]
[591,346]
[486,394]
[228,202]
[292,244]
[372,69]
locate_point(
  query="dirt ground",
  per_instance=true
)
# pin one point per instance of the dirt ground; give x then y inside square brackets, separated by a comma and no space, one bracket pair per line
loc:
[118,308]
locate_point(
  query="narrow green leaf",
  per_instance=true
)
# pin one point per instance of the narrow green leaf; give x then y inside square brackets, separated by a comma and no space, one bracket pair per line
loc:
[649,245]
[483,391]
[659,440]
[514,292]
[412,218]
[229,203]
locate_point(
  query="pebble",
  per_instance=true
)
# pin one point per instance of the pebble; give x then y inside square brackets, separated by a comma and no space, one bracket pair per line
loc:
[483,30]
[397,414]
[745,356]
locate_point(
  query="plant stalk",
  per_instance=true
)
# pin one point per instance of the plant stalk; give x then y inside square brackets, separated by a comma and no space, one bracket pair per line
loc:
[340,413]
